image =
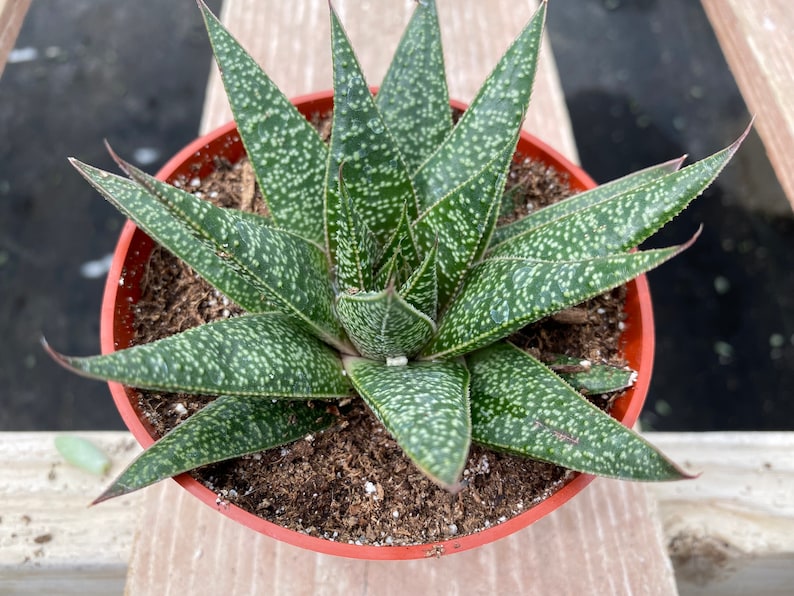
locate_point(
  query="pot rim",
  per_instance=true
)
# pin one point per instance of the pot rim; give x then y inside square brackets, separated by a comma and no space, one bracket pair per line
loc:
[637,339]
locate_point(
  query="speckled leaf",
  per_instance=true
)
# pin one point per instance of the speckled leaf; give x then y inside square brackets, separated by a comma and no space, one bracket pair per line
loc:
[286,152]
[583,199]
[290,271]
[425,407]
[620,222]
[519,405]
[459,222]
[375,174]
[264,355]
[493,118]
[160,224]
[590,378]
[413,97]
[503,295]
[402,241]
[356,246]
[383,325]
[421,288]
[226,428]
[394,272]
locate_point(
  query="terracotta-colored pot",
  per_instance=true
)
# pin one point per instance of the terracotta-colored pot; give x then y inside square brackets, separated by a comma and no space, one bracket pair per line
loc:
[122,292]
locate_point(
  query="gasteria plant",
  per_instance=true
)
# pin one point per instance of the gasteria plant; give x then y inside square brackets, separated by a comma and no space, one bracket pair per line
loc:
[381,271]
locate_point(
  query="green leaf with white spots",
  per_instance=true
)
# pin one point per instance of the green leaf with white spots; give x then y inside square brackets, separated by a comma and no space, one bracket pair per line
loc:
[383,325]
[459,222]
[620,222]
[590,378]
[264,355]
[421,288]
[503,295]
[425,407]
[289,270]
[520,406]
[582,200]
[285,151]
[413,97]
[375,173]
[230,426]
[402,241]
[492,120]
[356,246]
[151,216]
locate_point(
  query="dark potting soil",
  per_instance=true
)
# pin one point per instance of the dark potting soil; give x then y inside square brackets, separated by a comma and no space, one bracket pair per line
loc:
[352,483]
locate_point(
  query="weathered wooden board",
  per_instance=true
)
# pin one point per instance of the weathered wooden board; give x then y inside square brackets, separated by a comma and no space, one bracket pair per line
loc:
[757,39]
[12,13]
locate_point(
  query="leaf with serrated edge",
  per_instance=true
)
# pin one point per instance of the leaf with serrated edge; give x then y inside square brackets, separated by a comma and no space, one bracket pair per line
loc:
[413,97]
[503,295]
[583,199]
[425,407]
[402,241]
[159,223]
[383,325]
[619,223]
[264,355]
[289,270]
[421,289]
[493,118]
[375,174]
[591,378]
[230,426]
[520,406]
[459,222]
[356,246]
[286,152]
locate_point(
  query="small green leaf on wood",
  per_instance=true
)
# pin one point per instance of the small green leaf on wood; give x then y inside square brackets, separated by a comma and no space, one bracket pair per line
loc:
[226,428]
[425,407]
[518,405]
[83,454]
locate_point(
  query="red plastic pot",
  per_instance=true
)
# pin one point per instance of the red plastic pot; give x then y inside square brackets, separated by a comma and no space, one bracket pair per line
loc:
[122,292]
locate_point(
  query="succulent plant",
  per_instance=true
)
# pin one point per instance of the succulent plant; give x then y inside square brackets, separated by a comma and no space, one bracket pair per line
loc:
[381,271]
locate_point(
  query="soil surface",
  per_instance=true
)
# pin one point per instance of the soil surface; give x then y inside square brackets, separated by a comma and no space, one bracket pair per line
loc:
[352,483]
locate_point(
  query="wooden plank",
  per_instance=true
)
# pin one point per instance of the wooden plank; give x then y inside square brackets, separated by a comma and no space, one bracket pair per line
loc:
[731,531]
[12,13]
[49,538]
[547,558]
[573,551]
[757,39]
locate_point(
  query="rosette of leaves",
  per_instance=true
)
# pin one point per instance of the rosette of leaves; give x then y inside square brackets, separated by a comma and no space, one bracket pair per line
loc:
[381,271]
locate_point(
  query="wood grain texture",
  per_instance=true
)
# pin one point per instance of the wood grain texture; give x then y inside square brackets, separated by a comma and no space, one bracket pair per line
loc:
[606,541]
[12,13]
[731,531]
[48,535]
[757,39]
